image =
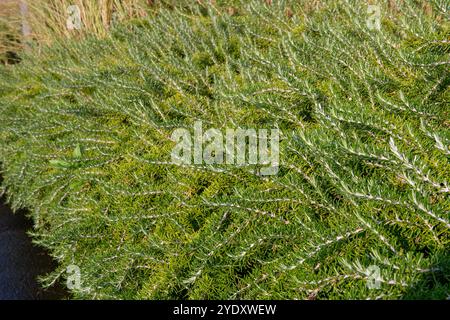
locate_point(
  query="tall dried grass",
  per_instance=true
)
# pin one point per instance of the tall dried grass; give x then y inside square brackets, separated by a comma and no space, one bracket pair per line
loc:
[10,28]
[48,19]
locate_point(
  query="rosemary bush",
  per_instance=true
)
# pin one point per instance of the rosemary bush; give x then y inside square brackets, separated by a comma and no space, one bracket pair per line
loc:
[85,140]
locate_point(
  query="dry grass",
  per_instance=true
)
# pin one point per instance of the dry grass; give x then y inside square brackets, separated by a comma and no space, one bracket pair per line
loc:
[48,19]
[10,24]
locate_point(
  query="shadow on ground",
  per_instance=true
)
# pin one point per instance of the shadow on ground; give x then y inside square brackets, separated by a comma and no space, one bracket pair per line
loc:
[21,262]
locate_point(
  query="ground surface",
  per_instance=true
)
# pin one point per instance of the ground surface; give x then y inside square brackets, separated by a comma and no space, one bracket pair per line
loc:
[20,261]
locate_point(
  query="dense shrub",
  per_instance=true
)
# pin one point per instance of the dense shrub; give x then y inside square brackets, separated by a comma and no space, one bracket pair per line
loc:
[364,160]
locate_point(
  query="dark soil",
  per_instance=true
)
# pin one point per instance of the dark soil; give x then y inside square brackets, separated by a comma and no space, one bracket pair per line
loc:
[21,262]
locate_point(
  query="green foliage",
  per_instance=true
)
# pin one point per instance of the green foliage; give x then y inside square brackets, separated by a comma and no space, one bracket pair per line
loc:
[364,157]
